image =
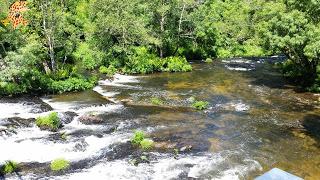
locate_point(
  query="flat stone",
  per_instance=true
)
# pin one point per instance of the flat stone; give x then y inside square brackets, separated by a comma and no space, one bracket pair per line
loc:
[278,174]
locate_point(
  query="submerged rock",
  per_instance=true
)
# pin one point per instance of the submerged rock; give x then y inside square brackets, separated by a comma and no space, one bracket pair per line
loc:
[165,145]
[90,119]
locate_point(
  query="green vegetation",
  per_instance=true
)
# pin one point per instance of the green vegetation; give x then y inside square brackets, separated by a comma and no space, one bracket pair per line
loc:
[59,164]
[200,105]
[137,137]
[50,122]
[110,71]
[156,101]
[62,50]
[140,140]
[143,62]
[64,136]
[9,167]
[146,144]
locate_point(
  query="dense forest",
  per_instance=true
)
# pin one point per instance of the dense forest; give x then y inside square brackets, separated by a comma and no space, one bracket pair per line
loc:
[64,45]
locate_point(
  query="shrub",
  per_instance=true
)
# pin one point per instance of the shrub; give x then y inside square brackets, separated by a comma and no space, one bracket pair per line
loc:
[138,137]
[156,101]
[72,84]
[50,122]
[146,144]
[208,60]
[141,61]
[59,164]
[200,105]
[10,88]
[140,140]
[314,88]
[89,57]
[9,167]
[177,64]
[110,71]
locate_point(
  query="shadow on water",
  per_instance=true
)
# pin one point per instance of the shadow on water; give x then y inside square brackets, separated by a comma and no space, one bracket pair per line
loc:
[311,123]
[270,77]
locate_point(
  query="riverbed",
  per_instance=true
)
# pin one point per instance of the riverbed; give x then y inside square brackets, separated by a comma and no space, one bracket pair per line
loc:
[255,121]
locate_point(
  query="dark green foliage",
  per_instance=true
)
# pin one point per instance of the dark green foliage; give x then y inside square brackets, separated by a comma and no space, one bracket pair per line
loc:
[200,105]
[72,84]
[59,164]
[8,168]
[9,88]
[316,85]
[50,122]
[88,57]
[141,62]
[144,62]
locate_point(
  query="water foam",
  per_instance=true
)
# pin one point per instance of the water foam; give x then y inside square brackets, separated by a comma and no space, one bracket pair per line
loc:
[120,81]
[167,167]
[22,110]
[105,93]
[238,68]
[238,106]
[21,149]
[74,107]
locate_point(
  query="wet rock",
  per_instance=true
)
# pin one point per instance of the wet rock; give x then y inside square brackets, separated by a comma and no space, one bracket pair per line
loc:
[20,122]
[186,148]
[81,146]
[126,100]
[140,158]
[3,130]
[110,129]
[164,145]
[54,137]
[85,133]
[121,151]
[36,102]
[90,119]
[67,117]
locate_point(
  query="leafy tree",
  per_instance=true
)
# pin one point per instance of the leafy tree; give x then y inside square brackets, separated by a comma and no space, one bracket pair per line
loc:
[296,34]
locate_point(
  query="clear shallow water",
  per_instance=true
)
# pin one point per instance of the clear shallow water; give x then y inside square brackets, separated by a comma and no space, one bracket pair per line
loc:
[255,122]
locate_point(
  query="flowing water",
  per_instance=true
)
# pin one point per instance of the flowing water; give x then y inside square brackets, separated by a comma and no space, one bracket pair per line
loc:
[255,122]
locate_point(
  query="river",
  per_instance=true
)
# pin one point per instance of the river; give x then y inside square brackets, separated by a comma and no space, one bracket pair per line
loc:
[255,122]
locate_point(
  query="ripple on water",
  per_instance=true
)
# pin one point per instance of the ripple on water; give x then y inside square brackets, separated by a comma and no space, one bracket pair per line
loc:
[237,106]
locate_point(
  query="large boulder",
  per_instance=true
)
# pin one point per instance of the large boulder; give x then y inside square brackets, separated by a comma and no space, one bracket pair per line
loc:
[90,119]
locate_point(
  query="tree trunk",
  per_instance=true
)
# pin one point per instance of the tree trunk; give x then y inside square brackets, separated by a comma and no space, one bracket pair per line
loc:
[48,32]
[162,21]
[51,54]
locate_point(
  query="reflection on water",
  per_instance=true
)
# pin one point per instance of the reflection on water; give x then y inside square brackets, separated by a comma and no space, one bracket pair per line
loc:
[255,122]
